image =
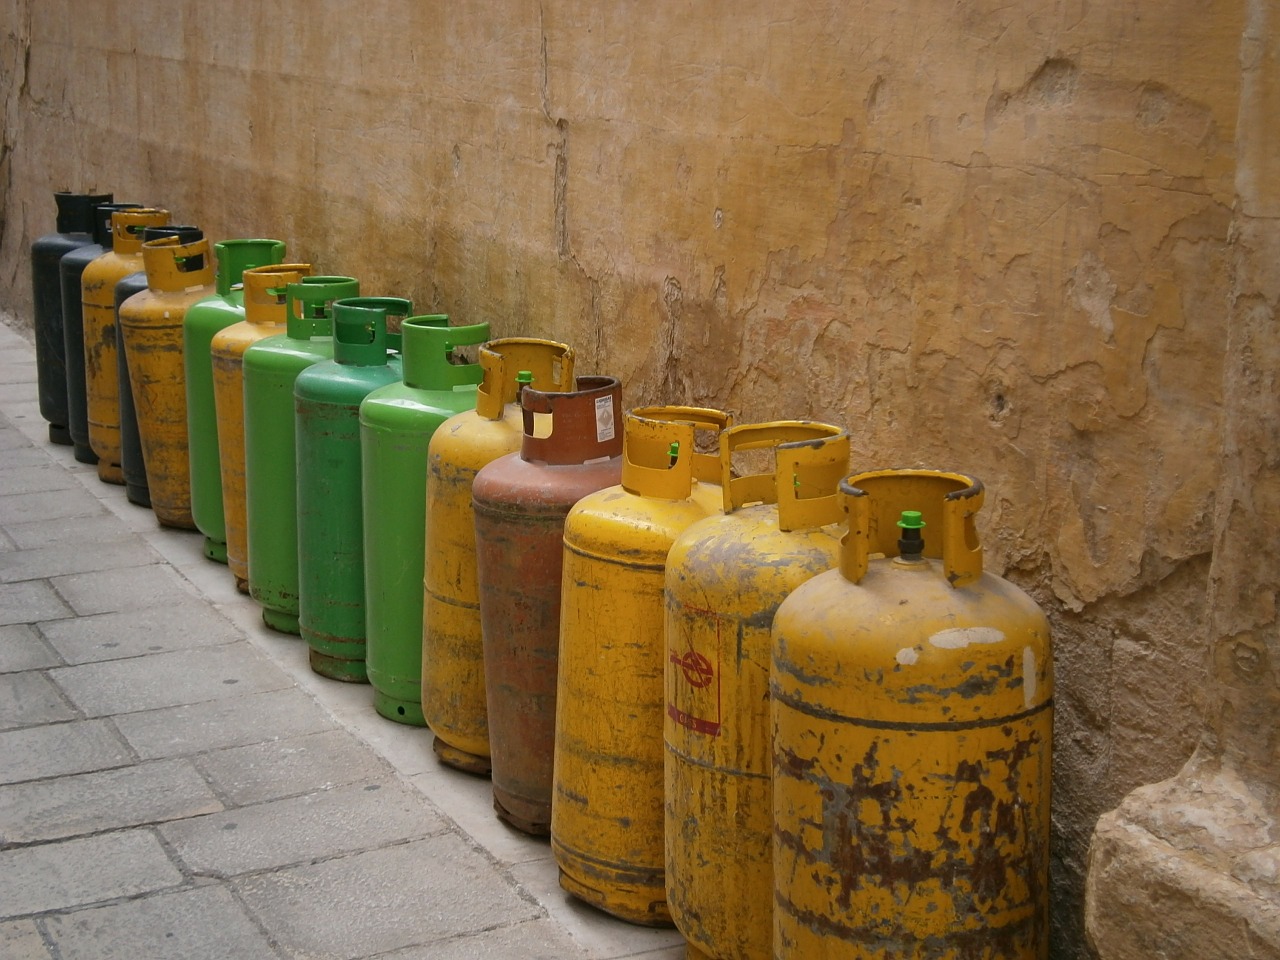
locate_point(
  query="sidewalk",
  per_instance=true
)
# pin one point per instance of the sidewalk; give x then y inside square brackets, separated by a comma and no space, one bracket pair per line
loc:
[176,784]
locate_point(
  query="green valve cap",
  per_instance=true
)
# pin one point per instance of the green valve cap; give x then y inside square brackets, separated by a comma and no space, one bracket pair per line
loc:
[524,377]
[911,520]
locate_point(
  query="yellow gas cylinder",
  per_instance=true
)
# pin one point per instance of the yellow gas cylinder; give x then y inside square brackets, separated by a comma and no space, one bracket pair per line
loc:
[178,275]
[98,288]
[265,315]
[726,575]
[913,722]
[606,809]
[453,692]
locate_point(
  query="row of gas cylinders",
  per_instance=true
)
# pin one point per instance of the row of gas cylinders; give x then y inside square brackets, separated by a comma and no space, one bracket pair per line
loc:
[744,690]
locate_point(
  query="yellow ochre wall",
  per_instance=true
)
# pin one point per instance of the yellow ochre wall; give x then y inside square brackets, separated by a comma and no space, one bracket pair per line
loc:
[987,237]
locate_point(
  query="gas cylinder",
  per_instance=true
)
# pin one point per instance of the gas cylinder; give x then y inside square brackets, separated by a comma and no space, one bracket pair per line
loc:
[271,487]
[912,699]
[453,698]
[74,229]
[263,294]
[91,333]
[205,319]
[521,502]
[132,466]
[396,424]
[725,577]
[606,817]
[330,522]
[178,275]
[76,352]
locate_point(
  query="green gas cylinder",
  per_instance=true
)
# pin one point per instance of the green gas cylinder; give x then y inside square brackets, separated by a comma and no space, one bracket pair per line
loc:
[265,315]
[271,494]
[396,424]
[327,399]
[203,320]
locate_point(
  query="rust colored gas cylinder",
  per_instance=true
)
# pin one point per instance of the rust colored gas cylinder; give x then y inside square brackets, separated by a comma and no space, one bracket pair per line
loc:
[124,230]
[396,424]
[178,275]
[78,351]
[331,607]
[606,828]
[132,465]
[453,697]
[912,705]
[263,296]
[725,577]
[202,324]
[271,367]
[74,229]
[572,446]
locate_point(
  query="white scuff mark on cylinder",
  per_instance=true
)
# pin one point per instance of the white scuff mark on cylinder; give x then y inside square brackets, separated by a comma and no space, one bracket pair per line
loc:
[1028,677]
[958,638]
[907,656]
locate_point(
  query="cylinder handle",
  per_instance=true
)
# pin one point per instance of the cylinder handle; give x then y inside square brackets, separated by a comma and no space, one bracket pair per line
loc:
[309,304]
[947,502]
[550,362]
[659,450]
[810,458]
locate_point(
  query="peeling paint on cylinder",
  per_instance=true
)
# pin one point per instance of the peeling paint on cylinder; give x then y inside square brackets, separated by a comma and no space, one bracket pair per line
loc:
[453,694]
[609,718]
[726,576]
[178,275]
[911,795]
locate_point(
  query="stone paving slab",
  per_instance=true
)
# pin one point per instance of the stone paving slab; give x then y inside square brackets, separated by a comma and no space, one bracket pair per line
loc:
[124,588]
[278,833]
[42,474]
[22,649]
[604,941]
[114,636]
[20,456]
[286,768]
[168,679]
[29,602]
[63,558]
[214,724]
[530,940]
[205,923]
[48,505]
[60,749]
[14,439]
[411,894]
[102,528]
[21,940]
[83,803]
[53,876]
[28,699]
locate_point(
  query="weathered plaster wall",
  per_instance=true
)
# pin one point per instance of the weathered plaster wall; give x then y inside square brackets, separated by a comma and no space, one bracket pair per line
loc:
[986,237]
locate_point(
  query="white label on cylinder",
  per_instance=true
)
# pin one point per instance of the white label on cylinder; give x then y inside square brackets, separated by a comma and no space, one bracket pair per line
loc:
[604,419]
[1028,677]
[958,638]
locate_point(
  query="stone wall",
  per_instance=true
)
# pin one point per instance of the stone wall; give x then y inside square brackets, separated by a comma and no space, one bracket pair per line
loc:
[986,237]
